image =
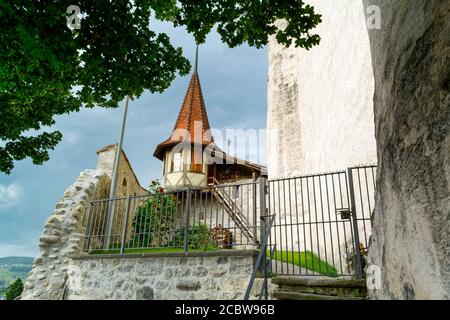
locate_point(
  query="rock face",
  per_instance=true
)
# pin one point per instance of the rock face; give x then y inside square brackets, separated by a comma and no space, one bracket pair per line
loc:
[320,102]
[411,225]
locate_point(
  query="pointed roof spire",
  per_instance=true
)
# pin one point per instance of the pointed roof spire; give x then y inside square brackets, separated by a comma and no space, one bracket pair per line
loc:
[196,59]
[192,118]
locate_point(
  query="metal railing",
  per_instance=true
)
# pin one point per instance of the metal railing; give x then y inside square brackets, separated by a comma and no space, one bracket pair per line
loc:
[213,217]
[322,225]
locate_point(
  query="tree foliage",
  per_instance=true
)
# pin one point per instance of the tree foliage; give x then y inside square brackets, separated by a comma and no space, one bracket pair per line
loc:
[14,290]
[46,69]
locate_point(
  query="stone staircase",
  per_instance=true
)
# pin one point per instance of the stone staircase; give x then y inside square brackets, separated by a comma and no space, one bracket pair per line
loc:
[319,288]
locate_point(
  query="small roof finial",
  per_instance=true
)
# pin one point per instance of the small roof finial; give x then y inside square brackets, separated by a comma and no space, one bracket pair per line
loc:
[196,59]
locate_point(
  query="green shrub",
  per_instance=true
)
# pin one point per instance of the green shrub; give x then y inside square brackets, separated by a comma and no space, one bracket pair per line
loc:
[154,220]
[14,290]
[199,236]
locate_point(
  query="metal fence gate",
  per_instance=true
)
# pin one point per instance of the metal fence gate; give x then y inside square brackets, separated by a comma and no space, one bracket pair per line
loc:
[322,222]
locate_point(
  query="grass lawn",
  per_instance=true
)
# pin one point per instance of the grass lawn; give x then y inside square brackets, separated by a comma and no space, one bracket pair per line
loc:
[307,260]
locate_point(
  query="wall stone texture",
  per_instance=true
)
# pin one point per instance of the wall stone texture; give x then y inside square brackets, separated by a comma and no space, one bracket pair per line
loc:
[127,182]
[411,224]
[63,233]
[199,276]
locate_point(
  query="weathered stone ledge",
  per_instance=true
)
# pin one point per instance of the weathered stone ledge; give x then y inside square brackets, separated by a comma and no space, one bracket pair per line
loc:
[220,253]
[319,282]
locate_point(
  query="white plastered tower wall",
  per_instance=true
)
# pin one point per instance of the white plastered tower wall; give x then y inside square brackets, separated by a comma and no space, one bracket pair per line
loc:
[320,102]
[320,107]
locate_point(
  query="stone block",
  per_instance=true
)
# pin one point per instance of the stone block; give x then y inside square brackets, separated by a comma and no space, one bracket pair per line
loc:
[199,272]
[48,239]
[188,285]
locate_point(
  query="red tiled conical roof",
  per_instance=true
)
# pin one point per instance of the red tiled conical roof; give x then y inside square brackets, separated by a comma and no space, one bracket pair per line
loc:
[192,124]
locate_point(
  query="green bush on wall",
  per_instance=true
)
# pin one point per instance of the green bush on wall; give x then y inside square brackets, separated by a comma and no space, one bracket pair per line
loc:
[154,224]
[199,237]
[154,220]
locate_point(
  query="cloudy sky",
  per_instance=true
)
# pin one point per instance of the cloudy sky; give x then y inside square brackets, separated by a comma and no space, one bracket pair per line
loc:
[234,85]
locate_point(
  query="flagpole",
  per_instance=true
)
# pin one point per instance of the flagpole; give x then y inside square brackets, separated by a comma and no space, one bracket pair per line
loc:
[115,176]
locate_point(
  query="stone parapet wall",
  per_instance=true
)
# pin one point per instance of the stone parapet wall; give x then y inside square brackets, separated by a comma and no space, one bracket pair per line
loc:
[62,236]
[64,230]
[198,276]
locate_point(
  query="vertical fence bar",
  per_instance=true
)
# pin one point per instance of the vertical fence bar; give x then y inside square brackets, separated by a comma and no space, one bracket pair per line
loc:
[358,269]
[255,220]
[88,230]
[186,235]
[125,225]
[262,214]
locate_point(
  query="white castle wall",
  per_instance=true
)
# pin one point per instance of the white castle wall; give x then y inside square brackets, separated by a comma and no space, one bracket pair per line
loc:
[320,102]
[320,119]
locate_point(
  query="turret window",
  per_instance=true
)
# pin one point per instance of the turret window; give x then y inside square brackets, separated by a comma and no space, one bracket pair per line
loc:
[177,162]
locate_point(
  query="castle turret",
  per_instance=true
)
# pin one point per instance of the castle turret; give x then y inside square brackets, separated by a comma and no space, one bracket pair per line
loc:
[186,163]
[182,154]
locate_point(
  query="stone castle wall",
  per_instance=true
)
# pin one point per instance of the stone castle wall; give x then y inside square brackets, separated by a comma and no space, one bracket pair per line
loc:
[64,230]
[62,237]
[320,119]
[127,182]
[199,276]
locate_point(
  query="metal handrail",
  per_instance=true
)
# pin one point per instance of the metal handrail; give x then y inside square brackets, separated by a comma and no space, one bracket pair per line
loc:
[262,253]
[268,267]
